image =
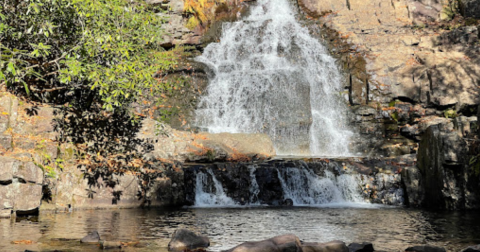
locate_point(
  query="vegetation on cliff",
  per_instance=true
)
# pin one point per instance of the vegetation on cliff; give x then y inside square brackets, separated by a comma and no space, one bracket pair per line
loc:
[52,50]
[96,61]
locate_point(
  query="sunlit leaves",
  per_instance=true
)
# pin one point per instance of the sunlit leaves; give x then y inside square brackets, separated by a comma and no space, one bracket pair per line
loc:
[111,47]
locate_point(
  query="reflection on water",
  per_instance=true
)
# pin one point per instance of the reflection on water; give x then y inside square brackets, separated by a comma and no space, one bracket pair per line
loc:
[389,229]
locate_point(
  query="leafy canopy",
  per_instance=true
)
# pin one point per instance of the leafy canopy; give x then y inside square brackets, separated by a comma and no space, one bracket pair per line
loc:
[51,49]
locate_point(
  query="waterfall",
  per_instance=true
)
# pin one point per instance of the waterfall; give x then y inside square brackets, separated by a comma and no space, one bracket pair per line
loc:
[206,195]
[301,185]
[304,187]
[272,77]
[254,188]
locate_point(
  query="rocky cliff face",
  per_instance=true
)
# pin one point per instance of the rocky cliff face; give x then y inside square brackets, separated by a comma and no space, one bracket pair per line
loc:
[412,71]
[406,65]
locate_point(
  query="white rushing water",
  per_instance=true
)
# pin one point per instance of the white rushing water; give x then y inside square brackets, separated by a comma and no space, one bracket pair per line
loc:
[301,185]
[210,194]
[305,188]
[272,77]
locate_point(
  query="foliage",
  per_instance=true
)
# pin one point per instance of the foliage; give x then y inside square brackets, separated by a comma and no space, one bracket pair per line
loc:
[94,60]
[450,10]
[111,47]
[48,164]
[202,11]
[450,113]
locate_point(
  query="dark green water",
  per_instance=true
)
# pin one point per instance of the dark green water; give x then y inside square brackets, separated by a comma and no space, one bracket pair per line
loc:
[389,229]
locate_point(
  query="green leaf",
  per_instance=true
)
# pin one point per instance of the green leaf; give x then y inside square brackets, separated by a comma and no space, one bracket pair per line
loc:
[26,88]
[11,68]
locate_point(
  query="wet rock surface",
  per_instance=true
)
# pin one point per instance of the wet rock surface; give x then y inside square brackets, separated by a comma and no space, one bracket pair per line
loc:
[425,249]
[185,240]
[361,247]
[92,237]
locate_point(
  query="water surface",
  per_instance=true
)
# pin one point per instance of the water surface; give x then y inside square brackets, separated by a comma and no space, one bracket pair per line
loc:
[389,229]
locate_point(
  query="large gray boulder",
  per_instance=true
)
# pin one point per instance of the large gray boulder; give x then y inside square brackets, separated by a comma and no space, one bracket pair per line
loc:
[184,239]
[92,237]
[282,243]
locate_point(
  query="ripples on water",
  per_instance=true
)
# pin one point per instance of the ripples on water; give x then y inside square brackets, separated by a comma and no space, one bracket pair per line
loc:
[389,229]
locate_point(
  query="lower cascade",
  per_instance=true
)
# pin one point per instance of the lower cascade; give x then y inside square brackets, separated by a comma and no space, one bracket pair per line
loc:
[271,76]
[299,187]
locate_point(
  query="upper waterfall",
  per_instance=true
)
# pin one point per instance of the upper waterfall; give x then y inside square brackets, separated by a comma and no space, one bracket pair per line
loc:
[271,76]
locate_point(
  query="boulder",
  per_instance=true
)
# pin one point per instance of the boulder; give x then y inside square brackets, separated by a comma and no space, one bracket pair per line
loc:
[426,248]
[333,246]
[475,248]
[92,237]
[184,239]
[20,197]
[361,247]
[282,243]
[239,144]
[204,147]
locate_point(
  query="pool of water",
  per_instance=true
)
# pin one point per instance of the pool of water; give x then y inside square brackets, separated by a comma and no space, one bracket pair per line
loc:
[389,229]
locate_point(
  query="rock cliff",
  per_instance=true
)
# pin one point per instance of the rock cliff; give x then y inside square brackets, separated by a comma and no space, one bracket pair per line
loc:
[412,74]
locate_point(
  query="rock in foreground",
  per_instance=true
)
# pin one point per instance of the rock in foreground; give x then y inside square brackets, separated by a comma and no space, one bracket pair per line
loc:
[361,247]
[282,243]
[92,237]
[425,248]
[333,246]
[184,240]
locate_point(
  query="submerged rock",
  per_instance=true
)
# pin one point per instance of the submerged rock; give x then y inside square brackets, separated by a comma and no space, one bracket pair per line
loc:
[110,244]
[92,237]
[361,247]
[184,239]
[282,243]
[333,246]
[426,248]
